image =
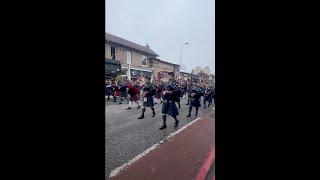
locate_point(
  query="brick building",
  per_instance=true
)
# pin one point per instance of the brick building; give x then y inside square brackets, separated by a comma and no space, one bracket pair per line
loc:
[161,68]
[130,55]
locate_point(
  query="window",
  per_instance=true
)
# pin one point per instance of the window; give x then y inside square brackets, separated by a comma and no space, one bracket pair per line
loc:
[144,60]
[113,53]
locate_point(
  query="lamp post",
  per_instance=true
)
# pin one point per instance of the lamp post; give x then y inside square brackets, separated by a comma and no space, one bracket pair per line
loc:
[181,55]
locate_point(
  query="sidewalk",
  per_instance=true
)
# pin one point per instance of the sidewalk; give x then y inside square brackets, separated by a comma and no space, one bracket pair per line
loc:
[181,157]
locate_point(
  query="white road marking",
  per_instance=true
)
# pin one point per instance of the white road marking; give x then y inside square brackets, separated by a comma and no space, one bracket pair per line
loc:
[153,147]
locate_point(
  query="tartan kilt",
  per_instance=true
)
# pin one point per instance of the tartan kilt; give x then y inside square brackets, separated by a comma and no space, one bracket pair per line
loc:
[182,92]
[159,94]
[134,97]
[149,103]
[169,108]
[109,91]
[210,98]
[194,102]
[123,94]
[177,98]
[207,98]
[117,93]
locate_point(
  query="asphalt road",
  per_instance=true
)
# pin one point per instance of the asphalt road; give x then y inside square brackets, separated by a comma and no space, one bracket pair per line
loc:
[127,136]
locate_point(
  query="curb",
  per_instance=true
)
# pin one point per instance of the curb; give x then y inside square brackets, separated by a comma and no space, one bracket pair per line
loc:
[205,167]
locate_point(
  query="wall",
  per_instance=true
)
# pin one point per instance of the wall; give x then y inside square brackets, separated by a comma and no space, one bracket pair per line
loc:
[159,66]
[107,51]
[136,58]
[121,55]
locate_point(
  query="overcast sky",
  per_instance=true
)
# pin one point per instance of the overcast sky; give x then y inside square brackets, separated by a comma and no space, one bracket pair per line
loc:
[165,25]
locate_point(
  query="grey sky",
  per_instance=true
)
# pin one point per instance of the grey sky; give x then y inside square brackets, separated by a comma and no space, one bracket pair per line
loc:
[165,25]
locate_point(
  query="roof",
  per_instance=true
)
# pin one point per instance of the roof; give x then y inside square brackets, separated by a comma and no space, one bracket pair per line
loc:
[118,40]
[165,62]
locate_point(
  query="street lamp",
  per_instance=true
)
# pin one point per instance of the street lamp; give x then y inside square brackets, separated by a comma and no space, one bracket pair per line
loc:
[181,55]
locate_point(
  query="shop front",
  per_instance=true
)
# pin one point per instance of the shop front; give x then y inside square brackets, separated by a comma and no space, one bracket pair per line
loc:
[164,75]
[112,68]
[137,72]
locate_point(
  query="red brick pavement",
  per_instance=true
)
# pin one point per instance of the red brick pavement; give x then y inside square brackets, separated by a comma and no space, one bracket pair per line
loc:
[179,158]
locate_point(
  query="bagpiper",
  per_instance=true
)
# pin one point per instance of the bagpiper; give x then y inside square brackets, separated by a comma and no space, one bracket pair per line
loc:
[188,91]
[116,91]
[123,92]
[207,97]
[169,106]
[194,97]
[109,88]
[148,92]
[133,91]
[178,94]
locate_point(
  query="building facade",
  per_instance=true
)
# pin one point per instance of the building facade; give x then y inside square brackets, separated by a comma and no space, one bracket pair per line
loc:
[112,68]
[161,68]
[185,76]
[203,77]
[134,58]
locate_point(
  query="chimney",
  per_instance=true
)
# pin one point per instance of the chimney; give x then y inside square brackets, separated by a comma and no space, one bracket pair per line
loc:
[147,45]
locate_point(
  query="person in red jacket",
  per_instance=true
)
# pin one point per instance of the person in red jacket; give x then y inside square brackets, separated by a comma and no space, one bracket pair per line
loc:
[133,92]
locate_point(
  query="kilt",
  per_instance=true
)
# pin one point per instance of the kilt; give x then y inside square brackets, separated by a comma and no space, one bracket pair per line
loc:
[210,98]
[123,94]
[117,93]
[195,102]
[169,108]
[207,97]
[177,98]
[149,102]
[109,91]
[182,92]
[134,97]
[158,95]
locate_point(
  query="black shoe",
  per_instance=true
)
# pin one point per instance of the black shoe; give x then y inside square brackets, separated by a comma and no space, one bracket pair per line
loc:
[187,104]
[189,115]
[114,101]
[163,127]
[153,115]
[204,106]
[155,103]
[196,115]
[128,108]
[138,107]
[120,102]
[176,124]
[141,117]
